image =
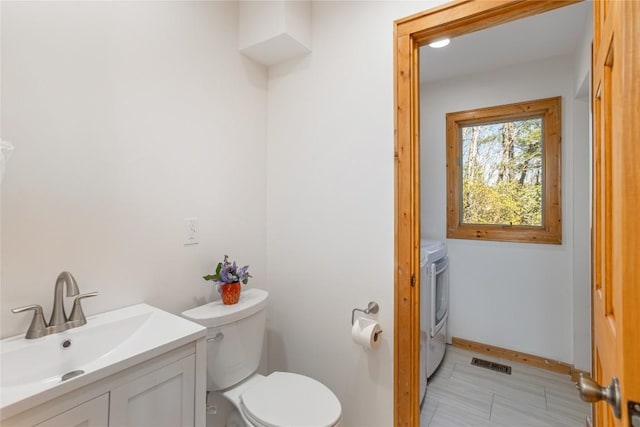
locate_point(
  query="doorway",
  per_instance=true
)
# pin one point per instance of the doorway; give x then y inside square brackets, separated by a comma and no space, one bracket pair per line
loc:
[449,20]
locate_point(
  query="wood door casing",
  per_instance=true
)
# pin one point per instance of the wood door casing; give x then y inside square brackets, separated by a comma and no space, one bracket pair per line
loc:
[452,19]
[616,203]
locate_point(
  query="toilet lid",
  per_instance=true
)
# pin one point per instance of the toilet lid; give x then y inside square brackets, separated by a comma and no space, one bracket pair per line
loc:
[286,399]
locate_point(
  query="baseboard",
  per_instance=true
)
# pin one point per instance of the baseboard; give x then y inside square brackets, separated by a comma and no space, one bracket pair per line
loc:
[517,356]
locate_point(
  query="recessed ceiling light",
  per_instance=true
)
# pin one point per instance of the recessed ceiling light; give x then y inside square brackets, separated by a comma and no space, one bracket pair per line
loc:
[440,43]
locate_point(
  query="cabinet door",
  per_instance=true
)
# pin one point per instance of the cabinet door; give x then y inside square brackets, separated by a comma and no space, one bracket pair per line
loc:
[164,397]
[93,413]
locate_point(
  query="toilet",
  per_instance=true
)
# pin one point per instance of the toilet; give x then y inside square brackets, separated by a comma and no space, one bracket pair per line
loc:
[235,334]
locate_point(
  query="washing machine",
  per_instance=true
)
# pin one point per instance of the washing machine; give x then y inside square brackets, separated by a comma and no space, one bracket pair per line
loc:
[434,307]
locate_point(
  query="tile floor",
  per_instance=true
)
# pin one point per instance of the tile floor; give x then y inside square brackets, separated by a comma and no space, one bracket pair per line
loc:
[459,394]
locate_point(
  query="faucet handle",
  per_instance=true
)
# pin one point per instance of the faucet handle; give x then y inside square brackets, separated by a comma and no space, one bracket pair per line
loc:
[38,327]
[77,316]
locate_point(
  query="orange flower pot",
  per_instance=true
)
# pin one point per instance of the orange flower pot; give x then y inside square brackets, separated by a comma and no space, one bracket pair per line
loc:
[230,293]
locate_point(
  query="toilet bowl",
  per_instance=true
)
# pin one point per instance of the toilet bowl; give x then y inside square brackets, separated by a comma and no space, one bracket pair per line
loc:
[285,399]
[235,335]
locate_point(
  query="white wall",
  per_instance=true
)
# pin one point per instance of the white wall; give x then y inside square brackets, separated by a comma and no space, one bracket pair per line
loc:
[581,236]
[330,204]
[582,202]
[582,65]
[513,295]
[160,117]
[128,117]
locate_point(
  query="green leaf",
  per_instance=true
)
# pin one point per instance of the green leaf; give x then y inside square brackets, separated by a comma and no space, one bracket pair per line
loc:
[218,268]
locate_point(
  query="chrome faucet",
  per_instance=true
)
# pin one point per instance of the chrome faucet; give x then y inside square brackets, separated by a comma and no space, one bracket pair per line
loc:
[59,321]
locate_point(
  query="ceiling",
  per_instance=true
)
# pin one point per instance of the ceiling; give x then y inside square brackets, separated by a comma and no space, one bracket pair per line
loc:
[546,35]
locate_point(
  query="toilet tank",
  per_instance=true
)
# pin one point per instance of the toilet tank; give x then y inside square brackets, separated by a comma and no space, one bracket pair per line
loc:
[234,337]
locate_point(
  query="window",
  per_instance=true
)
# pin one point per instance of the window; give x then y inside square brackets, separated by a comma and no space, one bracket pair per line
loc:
[503,173]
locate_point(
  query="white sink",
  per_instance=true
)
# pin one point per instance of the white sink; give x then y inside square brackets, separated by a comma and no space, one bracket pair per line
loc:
[32,370]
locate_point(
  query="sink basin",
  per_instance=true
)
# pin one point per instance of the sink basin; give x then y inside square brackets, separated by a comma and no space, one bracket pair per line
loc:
[36,370]
[25,363]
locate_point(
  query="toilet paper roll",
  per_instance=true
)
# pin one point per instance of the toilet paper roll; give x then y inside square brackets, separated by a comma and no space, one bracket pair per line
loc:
[367,333]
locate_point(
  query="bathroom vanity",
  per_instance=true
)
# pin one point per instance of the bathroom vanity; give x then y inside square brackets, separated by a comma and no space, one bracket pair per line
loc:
[129,367]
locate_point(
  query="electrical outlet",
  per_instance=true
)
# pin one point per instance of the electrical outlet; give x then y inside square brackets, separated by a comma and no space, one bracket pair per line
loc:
[191,231]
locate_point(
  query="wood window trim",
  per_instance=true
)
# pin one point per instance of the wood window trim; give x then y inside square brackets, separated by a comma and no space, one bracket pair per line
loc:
[551,230]
[449,20]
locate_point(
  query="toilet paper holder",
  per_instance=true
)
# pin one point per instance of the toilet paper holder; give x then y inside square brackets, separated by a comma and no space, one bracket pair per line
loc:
[371,308]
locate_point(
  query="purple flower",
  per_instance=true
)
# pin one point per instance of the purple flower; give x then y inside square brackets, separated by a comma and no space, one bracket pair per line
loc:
[227,272]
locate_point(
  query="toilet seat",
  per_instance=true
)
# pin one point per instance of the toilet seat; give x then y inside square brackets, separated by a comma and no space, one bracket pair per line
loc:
[287,399]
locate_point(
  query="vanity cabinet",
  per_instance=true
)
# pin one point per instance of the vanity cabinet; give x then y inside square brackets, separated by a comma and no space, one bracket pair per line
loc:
[163,391]
[162,398]
[93,413]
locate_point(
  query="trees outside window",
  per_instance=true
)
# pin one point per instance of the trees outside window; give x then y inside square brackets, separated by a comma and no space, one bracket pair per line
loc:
[503,172]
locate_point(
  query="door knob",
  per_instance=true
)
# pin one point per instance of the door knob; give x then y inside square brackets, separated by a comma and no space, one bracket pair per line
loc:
[590,391]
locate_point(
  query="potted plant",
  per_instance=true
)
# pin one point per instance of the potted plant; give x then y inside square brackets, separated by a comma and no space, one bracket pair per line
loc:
[228,278]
